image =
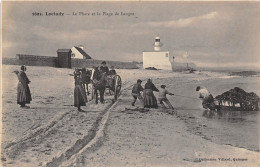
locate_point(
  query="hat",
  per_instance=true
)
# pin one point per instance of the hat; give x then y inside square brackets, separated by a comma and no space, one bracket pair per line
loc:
[23,67]
[76,72]
[198,88]
[139,80]
[103,62]
[163,86]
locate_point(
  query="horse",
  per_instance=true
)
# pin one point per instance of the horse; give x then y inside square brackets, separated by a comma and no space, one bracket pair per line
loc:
[86,74]
[99,84]
[102,81]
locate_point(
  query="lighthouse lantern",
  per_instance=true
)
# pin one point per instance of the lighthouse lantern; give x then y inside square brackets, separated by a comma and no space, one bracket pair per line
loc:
[157,44]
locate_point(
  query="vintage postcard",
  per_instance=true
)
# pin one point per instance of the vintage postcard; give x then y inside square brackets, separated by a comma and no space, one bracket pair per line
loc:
[130,83]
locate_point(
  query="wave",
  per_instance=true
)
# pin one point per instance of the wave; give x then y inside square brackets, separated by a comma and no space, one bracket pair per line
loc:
[203,75]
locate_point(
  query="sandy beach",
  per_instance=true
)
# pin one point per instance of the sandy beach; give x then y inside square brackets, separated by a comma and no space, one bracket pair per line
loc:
[53,133]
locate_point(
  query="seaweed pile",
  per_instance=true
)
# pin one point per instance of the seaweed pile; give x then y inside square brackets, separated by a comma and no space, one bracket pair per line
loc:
[246,101]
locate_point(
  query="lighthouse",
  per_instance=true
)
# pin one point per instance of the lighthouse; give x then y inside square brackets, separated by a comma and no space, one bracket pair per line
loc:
[157,44]
[157,58]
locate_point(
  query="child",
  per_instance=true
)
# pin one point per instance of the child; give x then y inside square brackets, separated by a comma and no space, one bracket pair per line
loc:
[162,97]
[136,92]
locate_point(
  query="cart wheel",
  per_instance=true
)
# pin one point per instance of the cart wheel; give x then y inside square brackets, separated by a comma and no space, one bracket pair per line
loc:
[91,88]
[118,83]
[115,95]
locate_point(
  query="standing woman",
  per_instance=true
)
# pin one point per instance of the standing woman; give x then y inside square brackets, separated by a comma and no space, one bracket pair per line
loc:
[23,90]
[80,97]
[149,98]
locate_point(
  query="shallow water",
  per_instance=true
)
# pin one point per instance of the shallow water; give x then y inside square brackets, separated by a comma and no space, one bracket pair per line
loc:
[239,131]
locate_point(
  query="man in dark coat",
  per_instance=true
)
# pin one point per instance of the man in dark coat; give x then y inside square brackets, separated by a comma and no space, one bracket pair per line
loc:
[136,92]
[104,68]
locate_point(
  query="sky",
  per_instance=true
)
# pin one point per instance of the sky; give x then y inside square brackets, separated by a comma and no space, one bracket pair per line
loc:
[210,34]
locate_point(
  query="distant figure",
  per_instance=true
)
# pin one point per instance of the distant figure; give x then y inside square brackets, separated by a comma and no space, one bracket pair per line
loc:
[162,97]
[112,71]
[149,98]
[207,98]
[136,92]
[23,90]
[80,97]
[104,68]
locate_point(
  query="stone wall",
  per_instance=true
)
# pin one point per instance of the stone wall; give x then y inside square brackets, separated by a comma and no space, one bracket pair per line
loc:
[33,60]
[89,63]
[11,61]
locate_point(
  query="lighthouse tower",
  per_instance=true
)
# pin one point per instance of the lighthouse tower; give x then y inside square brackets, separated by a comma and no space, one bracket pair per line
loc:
[157,58]
[157,44]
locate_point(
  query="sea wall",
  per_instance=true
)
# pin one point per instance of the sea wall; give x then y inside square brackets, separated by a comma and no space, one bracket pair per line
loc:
[34,60]
[89,63]
[11,61]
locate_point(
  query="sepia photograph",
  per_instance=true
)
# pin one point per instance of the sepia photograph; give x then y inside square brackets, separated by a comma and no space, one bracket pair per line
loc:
[130,83]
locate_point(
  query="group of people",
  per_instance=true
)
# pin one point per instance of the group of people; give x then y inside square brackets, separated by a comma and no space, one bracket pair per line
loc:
[148,99]
[81,77]
[98,78]
[103,69]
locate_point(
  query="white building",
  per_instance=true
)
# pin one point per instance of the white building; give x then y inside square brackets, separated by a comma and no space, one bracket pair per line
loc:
[162,60]
[157,58]
[79,53]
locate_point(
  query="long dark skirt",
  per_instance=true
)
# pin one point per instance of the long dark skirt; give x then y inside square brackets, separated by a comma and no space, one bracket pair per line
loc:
[149,99]
[80,97]
[23,94]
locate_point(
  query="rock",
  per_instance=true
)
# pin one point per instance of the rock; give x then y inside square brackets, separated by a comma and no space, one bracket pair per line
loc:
[151,68]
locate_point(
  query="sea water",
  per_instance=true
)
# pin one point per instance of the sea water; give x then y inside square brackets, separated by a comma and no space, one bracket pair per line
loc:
[240,130]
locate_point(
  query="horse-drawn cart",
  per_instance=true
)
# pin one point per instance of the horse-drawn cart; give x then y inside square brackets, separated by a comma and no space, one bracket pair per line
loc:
[112,83]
